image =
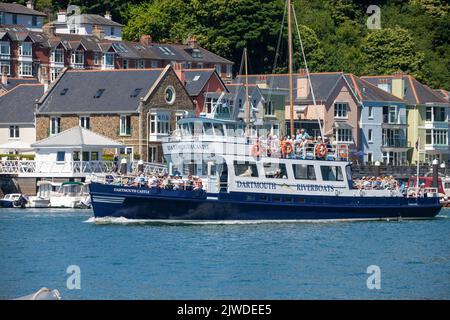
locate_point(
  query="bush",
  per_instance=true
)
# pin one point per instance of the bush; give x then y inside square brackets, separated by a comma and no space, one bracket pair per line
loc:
[15,156]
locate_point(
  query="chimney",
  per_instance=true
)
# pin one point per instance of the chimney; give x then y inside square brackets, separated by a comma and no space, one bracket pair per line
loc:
[302,85]
[30,4]
[98,32]
[49,29]
[108,15]
[398,85]
[62,16]
[46,85]
[146,40]
[178,68]
[192,42]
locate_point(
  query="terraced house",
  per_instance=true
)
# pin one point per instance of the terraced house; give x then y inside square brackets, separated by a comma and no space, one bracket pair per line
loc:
[26,16]
[25,53]
[383,126]
[427,116]
[137,107]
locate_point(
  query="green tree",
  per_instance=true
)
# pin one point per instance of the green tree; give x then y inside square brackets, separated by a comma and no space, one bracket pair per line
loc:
[389,50]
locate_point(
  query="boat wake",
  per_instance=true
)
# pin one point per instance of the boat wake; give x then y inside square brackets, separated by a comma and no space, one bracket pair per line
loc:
[125,221]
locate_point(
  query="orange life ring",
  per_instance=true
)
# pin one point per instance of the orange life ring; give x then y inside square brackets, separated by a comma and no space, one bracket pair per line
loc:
[321,150]
[287,147]
[343,151]
[257,150]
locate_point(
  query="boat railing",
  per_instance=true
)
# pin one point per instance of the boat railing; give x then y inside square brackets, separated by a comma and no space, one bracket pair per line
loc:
[420,192]
[73,167]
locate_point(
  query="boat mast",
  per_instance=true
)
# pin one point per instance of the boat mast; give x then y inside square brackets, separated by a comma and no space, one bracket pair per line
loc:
[291,85]
[247,102]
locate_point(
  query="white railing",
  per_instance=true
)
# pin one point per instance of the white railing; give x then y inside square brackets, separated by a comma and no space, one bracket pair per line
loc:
[73,167]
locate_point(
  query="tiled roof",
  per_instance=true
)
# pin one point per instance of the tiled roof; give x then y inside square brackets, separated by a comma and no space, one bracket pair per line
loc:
[366,91]
[197,79]
[415,92]
[18,105]
[119,91]
[86,18]
[322,83]
[124,49]
[13,82]
[19,9]
[77,137]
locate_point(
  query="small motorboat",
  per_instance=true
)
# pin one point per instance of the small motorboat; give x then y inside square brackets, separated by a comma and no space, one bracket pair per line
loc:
[13,200]
[71,194]
[45,190]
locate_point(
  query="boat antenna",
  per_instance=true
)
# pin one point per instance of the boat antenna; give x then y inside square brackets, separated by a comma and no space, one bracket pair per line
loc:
[307,71]
[247,102]
[291,84]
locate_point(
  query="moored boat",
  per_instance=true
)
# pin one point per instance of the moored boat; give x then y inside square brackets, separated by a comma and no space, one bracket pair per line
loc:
[70,195]
[46,189]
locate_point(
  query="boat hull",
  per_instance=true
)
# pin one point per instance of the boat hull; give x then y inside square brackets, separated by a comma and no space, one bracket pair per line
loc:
[156,204]
[6,204]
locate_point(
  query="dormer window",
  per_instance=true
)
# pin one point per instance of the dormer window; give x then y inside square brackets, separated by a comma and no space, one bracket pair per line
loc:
[78,57]
[25,49]
[196,53]
[57,56]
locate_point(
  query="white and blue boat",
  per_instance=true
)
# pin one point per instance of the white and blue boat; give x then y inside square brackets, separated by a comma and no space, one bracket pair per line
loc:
[238,184]
[244,177]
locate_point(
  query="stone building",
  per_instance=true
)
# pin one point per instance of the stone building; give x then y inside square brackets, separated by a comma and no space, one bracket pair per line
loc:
[137,107]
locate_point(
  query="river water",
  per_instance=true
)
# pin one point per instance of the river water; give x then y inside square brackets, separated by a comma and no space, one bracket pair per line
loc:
[120,259]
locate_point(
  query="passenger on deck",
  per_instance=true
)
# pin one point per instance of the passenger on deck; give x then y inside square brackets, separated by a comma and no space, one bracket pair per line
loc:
[247,173]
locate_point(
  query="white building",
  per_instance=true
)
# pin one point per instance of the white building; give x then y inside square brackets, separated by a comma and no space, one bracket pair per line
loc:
[85,24]
[13,13]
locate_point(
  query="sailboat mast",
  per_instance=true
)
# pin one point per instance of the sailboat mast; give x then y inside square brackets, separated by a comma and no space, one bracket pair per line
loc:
[291,84]
[247,102]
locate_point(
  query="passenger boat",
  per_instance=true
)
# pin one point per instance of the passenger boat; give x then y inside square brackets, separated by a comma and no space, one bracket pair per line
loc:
[46,189]
[70,195]
[237,174]
[239,185]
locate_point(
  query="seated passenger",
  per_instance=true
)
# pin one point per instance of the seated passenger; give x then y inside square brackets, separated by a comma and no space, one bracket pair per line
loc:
[247,173]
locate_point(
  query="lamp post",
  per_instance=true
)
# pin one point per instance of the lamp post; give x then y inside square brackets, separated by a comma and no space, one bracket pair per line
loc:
[435,165]
[377,168]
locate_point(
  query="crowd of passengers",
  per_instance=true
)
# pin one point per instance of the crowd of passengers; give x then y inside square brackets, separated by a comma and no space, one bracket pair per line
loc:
[161,181]
[292,147]
[378,183]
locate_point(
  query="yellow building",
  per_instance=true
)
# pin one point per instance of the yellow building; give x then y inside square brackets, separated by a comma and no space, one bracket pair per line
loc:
[427,117]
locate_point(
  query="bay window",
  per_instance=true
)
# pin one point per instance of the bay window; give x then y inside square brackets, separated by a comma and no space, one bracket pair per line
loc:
[436,137]
[5,67]
[343,135]
[159,124]
[25,69]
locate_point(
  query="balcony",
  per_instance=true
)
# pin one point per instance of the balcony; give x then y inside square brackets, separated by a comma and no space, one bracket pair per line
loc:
[395,143]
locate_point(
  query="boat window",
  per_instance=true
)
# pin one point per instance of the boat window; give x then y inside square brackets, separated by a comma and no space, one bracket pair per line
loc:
[331,173]
[263,198]
[245,169]
[276,199]
[251,197]
[275,170]
[218,129]
[300,200]
[287,199]
[304,172]
[185,129]
[231,130]
[208,129]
